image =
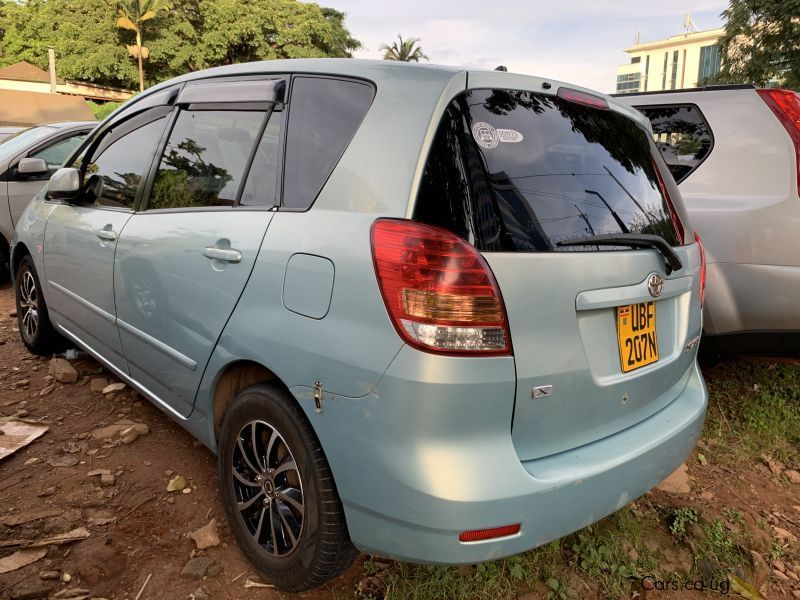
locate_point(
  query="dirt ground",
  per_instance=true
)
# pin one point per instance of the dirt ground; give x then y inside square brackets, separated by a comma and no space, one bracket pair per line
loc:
[136,528]
[139,533]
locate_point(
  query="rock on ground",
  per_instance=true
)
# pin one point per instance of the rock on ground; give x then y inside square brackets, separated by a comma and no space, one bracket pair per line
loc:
[63,371]
[677,482]
[98,384]
[792,475]
[120,429]
[197,567]
[206,536]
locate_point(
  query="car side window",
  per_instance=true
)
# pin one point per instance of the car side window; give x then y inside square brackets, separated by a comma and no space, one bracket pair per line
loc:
[122,164]
[324,115]
[55,154]
[682,135]
[261,187]
[205,158]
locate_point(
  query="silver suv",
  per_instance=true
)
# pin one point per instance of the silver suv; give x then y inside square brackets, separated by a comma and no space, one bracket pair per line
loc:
[735,154]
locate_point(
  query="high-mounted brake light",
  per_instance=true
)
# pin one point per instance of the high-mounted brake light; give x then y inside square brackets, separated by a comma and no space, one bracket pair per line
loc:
[786,106]
[579,97]
[703,271]
[440,293]
[673,214]
[479,535]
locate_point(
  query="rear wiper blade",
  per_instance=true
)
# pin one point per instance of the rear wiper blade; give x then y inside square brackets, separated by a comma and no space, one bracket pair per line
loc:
[633,240]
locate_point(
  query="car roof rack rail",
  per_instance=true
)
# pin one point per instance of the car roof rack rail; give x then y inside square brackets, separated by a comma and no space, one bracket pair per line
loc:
[705,88]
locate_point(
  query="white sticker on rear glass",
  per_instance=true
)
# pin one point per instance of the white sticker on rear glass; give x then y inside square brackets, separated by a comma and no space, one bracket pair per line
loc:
[509,135]
[489,137]
[485,135]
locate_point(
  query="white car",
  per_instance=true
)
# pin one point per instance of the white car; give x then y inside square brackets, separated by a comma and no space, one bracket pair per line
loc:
[735,153]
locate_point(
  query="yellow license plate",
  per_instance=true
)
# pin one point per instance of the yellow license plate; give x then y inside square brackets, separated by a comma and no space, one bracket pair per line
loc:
[636,334]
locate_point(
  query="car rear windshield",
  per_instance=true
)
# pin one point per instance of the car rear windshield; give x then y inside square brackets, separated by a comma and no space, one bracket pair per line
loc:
[517,171]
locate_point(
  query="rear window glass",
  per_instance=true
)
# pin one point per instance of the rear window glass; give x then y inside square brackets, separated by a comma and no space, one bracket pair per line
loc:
[517,171]
[682,135]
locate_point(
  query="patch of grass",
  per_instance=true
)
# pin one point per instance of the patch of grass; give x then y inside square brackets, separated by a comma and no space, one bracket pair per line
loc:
[722,540]
[754,408]
[719,545]
[682,518]
[601,556]
[485,580]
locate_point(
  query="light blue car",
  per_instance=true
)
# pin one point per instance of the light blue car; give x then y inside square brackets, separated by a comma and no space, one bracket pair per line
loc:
[434,314]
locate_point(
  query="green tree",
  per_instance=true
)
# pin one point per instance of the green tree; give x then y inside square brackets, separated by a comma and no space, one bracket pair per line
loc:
[406,50]
[192,35]
[88,46]
[131,15]
[761,42]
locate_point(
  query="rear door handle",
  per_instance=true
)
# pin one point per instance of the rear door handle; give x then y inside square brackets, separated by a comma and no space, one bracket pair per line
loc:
[228,255]
[107,234]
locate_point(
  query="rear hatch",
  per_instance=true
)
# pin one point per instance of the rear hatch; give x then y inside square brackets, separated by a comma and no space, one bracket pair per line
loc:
[599,330]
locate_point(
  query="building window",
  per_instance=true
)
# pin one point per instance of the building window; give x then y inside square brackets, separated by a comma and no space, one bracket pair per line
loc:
[674,77]
[709,63]
[646,71]
[636,59]
[664,72]
[629,84]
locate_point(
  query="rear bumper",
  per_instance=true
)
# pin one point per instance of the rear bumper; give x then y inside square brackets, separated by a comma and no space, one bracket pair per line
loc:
[410,491]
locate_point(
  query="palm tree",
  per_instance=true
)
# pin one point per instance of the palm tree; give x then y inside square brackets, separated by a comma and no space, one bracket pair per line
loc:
[403,50]
[131,14]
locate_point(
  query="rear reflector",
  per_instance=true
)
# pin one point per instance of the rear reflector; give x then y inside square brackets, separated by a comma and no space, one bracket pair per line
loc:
[786,106]
[702,269]
[579,97]
[439,292]
[673,214]
[479,535]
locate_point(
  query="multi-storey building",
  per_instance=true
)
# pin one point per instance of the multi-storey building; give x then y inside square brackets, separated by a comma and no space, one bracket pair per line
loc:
[680,61]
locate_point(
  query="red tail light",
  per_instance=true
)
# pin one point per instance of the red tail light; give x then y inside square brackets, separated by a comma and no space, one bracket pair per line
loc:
[702,269]
[673,214]
[786,106]
[579,97]
[440,293]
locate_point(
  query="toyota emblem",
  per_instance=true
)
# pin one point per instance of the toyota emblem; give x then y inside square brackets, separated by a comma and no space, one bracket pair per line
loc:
[655,285]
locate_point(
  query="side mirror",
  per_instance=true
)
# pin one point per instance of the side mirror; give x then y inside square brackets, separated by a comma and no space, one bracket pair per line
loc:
[32,166]
[64,184]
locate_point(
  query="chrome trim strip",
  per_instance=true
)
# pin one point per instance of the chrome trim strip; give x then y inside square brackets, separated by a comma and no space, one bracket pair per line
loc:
[126,378]
[182,359]
[85,303]
[631,294]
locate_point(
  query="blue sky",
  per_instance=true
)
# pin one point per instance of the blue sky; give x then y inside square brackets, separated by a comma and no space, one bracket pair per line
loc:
[578,41]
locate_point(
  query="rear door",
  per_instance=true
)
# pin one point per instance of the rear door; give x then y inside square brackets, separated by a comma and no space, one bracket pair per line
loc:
[599,333]
[184,258]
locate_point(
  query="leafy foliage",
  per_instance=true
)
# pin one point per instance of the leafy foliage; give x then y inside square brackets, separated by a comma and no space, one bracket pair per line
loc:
[404,50]
[192,35]
[101,111]
[761,42]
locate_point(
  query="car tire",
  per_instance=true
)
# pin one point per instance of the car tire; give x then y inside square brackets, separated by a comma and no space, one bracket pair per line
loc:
[280,500]
[35,328]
